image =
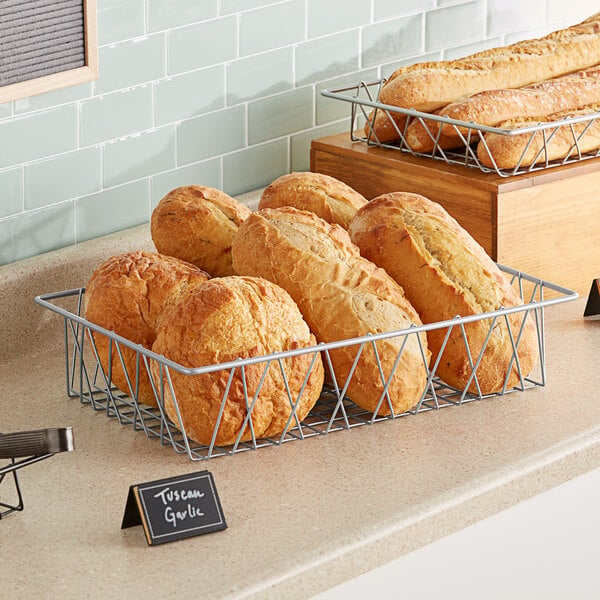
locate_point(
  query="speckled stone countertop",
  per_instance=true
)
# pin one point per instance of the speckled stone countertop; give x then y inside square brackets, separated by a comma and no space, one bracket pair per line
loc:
[301,517]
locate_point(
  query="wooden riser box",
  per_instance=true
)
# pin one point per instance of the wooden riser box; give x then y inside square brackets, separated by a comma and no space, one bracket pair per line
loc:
[545,223]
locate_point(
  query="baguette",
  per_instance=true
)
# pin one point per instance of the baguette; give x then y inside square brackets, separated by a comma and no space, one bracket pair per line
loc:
[492,107]
[444,273]
[323,195]
[341,296]
[509,151]
[196,223]
[430,86]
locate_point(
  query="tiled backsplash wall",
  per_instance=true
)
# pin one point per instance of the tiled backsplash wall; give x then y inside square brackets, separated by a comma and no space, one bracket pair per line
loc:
[224,93]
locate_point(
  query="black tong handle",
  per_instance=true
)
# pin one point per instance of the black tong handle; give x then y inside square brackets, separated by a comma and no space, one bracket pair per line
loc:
[34,443]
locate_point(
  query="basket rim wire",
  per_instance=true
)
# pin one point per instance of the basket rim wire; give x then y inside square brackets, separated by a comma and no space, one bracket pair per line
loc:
[364,96]
[87,379]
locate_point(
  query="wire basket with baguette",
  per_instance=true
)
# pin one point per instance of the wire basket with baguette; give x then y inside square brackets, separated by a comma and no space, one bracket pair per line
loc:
[509,110]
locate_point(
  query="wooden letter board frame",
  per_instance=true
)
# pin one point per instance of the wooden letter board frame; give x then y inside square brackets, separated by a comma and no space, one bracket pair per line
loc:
[66,78]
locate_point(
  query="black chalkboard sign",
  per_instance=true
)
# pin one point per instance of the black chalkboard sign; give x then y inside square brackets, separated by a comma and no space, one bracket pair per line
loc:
[592,306]
[175,508]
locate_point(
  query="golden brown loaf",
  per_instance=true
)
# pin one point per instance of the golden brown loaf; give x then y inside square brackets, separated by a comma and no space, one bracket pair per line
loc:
[492,107]
[341,296]
[223,320]
[510,151]
[197,223]
[383,128]
[129,294]
[323,195]
[430,86]
[445,273]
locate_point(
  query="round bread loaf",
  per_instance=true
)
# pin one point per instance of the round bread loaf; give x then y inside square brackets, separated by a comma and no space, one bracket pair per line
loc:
[197,224]
[444,273]
[323,195]
[223,320]
[129,294]
[341,296]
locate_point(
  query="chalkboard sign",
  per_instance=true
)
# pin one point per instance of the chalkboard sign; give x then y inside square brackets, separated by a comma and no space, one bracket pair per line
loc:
[175,508]
[592,307]
[46,45]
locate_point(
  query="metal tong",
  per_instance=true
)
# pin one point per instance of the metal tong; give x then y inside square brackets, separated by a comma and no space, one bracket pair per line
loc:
[36,443]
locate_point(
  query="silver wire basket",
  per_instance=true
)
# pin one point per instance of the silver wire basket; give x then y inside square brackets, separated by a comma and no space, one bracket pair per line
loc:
[363,98]
[87,380]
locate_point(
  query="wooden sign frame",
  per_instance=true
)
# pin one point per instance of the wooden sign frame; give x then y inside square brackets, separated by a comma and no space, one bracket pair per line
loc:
[62,79]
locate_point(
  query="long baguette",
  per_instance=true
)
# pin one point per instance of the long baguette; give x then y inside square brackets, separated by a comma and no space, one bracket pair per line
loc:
[491,107]
[341,296]
[508,151]
[433,85]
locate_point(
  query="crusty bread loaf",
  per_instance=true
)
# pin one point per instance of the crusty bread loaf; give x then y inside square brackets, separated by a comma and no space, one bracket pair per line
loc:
[129,294]
[510,151]
[492,107]
[384,128]
[523,63]
[445,273]
[197,223]
[229,318]
[341,296]
[323,195]
[430,86]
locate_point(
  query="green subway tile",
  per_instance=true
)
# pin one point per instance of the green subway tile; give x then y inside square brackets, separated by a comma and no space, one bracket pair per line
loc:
[62,177]
[384,9]
[202,45]
[261,75]
[5,110]
[70,94]
[115,115]
[211,135]
[300,143]
[138,156]
[189,95]
[11,191]
[256,167]
[336,15]
[326,57]
[458,24]
[329,109]
[280,115]
[267,28]
[234,6]
[32,233]
[112,210]
[203,173]
[166,14]
[130,63]
[391,40]
[120,21]
[34,136]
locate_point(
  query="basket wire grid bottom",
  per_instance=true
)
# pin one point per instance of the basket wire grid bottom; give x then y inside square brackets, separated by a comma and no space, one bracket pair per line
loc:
[334,411]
